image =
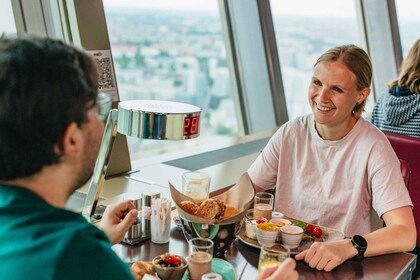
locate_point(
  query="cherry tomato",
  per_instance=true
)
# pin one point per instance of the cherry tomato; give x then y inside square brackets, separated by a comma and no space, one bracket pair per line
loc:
[317,232]
[260,221]
[310,228]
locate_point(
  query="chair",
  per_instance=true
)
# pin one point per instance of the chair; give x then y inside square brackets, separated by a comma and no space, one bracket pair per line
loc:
[408,151]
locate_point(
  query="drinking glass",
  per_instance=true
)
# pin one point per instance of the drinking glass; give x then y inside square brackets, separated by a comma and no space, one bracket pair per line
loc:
[200,257]
[274,255]
[196,185]
[160,220]
[263,205]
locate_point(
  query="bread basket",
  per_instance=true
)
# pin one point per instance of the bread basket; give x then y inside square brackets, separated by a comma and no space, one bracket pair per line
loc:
[222,232]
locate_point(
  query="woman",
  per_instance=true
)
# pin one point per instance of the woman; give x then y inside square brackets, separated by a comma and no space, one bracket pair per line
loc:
[398,109]
[330,167]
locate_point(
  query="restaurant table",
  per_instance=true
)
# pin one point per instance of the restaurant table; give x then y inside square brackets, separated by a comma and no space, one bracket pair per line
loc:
[245,260]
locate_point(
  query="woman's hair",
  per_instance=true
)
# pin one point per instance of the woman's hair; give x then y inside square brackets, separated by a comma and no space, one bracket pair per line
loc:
[358,62]
[409,77]
[45,85]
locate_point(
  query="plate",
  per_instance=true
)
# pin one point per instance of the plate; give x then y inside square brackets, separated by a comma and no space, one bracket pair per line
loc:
[222,267]
[328,234]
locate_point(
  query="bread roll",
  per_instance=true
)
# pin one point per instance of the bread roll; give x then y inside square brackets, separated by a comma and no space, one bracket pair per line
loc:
[189,207]
[209,209]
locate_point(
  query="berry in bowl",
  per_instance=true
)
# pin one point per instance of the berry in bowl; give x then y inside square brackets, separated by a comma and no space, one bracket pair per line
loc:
[169,266]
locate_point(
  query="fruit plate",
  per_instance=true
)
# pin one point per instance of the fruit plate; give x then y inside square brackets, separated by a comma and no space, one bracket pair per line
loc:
[222,267]
[328,234]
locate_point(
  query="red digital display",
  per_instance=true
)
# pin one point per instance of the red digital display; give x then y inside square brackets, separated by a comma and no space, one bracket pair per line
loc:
[191,125]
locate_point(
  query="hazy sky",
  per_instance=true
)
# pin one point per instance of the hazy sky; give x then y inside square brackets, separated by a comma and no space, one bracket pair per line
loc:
[339,8]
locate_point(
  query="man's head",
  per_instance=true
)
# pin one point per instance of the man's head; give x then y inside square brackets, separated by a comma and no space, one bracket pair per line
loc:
[46,88]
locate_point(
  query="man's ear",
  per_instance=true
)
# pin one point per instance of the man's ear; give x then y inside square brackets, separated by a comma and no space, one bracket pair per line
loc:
[72,141]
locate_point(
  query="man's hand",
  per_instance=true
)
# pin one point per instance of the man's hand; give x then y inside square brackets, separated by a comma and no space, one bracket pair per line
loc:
[285,271]
[327,255]
[117,219]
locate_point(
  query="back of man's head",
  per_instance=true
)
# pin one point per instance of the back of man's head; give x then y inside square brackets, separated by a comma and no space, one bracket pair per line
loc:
[44,86]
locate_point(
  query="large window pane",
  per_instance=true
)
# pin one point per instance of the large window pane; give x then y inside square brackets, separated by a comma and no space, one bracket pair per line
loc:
[408,13]
[304,30]
[7,21]
[173,50]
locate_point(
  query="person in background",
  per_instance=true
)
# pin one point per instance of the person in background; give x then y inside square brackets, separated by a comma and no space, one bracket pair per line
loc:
[49,140]
[398,109]
[330,167]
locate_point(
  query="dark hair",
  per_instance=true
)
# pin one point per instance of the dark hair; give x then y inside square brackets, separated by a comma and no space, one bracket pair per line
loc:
[44,86]
[357,61]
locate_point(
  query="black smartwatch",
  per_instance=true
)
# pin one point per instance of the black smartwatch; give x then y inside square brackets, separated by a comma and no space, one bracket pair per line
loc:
[360,243]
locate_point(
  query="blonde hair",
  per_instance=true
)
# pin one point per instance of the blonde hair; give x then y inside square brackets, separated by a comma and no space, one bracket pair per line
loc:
[358,62]
[409,77]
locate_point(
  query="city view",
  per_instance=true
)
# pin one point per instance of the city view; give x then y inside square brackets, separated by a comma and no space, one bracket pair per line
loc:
[181,56]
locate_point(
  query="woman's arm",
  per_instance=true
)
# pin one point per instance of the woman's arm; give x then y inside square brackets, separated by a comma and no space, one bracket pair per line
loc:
[398,236]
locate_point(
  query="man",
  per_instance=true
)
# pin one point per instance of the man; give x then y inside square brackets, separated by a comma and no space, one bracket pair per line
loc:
[49,140]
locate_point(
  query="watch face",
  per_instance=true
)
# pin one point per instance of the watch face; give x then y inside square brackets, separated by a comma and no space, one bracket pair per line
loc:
[360,241]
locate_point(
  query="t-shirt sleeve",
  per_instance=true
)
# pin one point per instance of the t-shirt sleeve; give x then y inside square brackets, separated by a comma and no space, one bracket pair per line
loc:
[263,171]
[88,255]
[388,188]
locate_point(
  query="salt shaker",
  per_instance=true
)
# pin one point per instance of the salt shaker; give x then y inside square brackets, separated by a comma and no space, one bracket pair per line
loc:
[147,197]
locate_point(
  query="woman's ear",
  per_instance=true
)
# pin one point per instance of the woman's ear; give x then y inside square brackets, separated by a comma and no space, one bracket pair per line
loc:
[72,141]
[364,93]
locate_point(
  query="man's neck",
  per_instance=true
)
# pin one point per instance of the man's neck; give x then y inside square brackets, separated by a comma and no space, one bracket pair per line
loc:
[50,184]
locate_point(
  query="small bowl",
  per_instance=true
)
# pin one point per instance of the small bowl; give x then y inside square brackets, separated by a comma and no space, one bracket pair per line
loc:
[267,238]
[280,222]
[291,236]
[173,273]
[251,229]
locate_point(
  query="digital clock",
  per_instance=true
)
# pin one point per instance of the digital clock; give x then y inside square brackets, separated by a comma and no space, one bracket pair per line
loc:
[191,125]
[155,119]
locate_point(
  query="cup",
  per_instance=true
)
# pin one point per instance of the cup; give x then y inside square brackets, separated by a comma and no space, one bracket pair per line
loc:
[263,205]
[196,185]
[160,220]
[200,257]
[291,236]
[274,255]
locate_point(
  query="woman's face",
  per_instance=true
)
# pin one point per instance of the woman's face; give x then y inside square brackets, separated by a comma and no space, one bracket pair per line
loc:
[333,95]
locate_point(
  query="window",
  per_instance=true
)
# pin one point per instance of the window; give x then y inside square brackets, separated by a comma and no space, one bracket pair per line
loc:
[7,22]
[173,50]
[304,30]
[408,22]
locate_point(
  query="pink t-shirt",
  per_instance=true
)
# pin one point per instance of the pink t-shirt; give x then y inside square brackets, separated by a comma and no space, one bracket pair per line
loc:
[331,183]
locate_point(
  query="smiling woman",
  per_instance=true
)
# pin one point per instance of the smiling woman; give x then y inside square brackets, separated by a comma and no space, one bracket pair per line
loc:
[332,166]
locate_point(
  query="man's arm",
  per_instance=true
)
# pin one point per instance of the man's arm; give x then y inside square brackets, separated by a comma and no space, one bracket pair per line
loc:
[398,236]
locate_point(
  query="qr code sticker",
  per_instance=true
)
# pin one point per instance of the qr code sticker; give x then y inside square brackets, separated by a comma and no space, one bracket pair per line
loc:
[106,76]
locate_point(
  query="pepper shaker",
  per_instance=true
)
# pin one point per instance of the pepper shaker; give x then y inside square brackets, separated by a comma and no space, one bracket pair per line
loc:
[147,197]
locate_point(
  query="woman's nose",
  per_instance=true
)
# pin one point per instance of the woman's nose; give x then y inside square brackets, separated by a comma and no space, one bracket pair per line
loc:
[323,95]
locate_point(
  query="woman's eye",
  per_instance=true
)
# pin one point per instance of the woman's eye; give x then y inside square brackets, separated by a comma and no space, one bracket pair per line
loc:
[316,82]
[336,89]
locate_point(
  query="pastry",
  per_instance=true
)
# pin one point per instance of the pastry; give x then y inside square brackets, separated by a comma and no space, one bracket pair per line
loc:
[208,209]
[139,269]
[189,207]
[230,211]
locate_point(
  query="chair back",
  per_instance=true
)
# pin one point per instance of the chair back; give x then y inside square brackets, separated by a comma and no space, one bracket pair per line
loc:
[408,151]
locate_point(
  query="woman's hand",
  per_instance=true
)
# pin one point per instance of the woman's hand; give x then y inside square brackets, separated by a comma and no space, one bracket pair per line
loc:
[327,255]
[285,271]
[117,219]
